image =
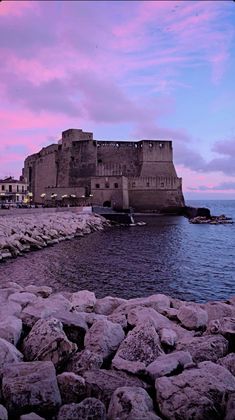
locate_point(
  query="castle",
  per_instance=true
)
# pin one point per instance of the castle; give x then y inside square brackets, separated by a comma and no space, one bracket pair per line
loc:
[119,174]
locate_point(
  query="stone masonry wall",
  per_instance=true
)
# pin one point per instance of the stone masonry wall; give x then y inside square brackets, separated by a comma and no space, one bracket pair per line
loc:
[77,159]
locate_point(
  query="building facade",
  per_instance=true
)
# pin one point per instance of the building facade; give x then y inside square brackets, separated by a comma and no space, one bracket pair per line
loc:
[13,191]
[120,174]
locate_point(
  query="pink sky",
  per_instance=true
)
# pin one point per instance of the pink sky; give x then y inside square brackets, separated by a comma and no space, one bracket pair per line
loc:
[124,70]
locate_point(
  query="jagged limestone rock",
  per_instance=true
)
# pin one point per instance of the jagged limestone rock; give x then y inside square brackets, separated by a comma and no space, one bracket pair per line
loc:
[230,408]
[107,305]
[3,413]
[88,409]
[31,416]
[8,353]
[45,308]
[192,317]
[83,301]
[85,360]
[168,337]
[102,383]
[131,403]
[228,362]
[197,393]
[11,329]
[104,338]
[168,364]
[30,387]
[74,325]
[138,350]
[72,387]
[47,341]
[206,347]
[218,310]
[224,326]
[41,291]
[22,298]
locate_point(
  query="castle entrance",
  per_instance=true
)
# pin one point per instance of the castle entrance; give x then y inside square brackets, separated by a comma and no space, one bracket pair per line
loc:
[107,203]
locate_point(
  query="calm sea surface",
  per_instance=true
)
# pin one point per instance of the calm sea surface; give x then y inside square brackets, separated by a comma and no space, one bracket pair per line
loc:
[168,255]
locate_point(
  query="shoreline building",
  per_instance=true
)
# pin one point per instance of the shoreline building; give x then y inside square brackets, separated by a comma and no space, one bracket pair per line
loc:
[13,191]
[119,174]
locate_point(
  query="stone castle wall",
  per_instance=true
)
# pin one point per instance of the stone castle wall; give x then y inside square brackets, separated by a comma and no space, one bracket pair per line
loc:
[40,170]
[78,161]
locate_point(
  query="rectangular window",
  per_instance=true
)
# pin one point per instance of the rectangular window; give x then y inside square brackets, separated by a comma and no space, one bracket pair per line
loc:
[17,188]
[106,185]
[116,185]
[10,188]
[3,187]
[22,188]
[97,185]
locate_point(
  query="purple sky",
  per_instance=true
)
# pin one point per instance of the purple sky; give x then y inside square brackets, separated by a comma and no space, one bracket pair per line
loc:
[124,70]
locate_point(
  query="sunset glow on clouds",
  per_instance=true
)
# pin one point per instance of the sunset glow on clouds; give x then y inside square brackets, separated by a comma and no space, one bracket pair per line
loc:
[124,70]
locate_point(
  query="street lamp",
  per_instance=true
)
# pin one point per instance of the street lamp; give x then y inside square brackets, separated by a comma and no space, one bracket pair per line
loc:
[43,195]
[30,194]
[53,196]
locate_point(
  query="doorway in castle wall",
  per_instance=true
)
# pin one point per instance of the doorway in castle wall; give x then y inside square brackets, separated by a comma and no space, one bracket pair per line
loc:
[107,203]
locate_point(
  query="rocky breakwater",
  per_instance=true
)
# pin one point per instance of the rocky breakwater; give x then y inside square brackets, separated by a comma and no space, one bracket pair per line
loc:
[71,356]
[19,234]
[212,220]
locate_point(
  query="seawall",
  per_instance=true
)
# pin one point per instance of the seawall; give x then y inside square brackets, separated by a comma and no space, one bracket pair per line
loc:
[38,229]
[70,356]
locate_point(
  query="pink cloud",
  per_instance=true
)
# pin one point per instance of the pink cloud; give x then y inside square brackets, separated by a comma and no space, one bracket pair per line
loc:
[192,181]
[191,27]
[76,64]
[22,119]
[14,8]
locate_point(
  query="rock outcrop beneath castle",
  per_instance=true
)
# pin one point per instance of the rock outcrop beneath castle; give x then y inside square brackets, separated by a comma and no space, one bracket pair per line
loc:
[79,357]
[118,174]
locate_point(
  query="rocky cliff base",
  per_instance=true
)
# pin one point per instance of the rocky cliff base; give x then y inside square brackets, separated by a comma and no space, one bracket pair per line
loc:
[20,234]
[71,356]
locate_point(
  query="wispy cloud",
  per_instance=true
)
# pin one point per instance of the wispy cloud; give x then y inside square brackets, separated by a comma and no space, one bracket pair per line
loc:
[225,186]
[128,65]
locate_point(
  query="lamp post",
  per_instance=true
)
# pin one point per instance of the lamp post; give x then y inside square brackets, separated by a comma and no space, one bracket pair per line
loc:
[90,203]
[30,194]
[2,194]
[53,196]
[73,196]
[63,200]
[43,195]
